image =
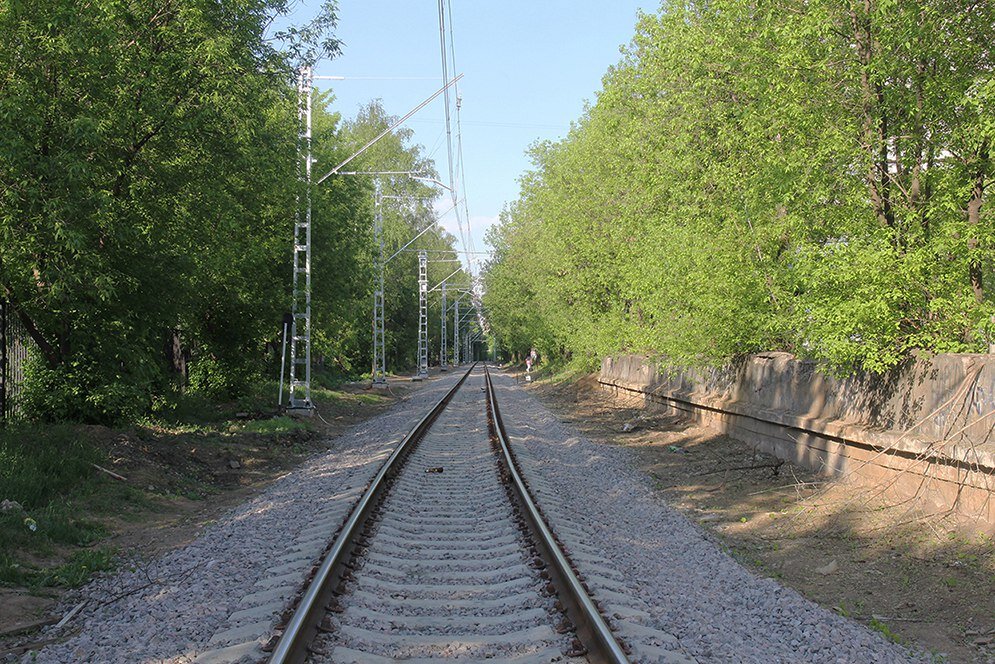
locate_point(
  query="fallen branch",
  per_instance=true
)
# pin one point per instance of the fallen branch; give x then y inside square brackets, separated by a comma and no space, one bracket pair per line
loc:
[110,472]
[69,616]
[796,485]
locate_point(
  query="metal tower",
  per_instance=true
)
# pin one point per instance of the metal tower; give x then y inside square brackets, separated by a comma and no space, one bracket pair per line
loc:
[456,357]
[379,341]
[443,355]
[300,333]
[422,315]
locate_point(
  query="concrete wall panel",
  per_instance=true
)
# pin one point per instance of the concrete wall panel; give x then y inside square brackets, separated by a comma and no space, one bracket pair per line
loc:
[923,430]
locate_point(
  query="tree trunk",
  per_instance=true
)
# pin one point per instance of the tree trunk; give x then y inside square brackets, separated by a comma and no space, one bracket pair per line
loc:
[973,220]
[875,125]
[175,355]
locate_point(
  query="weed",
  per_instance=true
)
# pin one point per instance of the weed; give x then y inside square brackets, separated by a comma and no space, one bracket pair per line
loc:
[969,558]
[885,631]
[77,570]
[12,572]
[276,425]
[40,531]
[326,396]
[73,573]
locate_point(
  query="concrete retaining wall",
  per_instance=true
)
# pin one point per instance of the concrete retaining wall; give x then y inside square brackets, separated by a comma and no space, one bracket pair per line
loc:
[924,429]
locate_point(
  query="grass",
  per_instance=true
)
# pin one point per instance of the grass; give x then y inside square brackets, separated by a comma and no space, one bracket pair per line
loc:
[48,471]
[273,426]
[39,464]
[71,574]
[323,395]
[885,631]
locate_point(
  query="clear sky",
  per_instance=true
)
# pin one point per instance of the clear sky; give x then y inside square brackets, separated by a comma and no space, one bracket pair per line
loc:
[529,67]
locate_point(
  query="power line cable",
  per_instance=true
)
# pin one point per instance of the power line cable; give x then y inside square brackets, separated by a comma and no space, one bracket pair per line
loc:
[459,142]
[446,102]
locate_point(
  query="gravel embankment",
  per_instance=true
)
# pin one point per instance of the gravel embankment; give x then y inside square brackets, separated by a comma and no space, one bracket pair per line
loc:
[719,610]
[165,610]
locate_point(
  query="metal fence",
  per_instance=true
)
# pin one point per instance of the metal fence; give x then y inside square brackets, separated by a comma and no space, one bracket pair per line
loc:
[14,349]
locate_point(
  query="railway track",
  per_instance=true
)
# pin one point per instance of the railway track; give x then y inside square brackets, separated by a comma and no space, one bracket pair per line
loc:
[446,556]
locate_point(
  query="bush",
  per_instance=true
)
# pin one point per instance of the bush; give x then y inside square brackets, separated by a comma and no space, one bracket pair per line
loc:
[88,389]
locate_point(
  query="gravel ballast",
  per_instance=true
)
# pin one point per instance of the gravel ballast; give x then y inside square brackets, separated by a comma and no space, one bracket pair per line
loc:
[446,571]
[166,610]
[717,609]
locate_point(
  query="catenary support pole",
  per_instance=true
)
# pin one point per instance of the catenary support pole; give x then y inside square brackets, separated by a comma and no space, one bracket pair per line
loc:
[443,355]
[456,357]
[422,316]
[379,333]
[299,398]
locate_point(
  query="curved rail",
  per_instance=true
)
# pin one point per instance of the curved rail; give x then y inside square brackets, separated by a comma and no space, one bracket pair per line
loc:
[303,625]
[592,630]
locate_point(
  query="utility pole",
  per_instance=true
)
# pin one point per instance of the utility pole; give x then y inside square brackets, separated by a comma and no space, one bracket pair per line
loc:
[379,373]
[456,339]
[422,316]
[443,355]
[300,333]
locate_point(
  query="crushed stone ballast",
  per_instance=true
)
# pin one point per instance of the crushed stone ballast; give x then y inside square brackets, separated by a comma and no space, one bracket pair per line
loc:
[446,556]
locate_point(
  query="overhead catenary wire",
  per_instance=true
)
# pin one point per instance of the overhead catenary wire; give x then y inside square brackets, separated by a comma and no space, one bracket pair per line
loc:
[449,136]
[389,129]
[459,140]
[469,244]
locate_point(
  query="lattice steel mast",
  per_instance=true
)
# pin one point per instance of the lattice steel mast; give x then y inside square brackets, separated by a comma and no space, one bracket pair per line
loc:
[379,333]
[443,355]
[456,358]
[300,331]
[422,315]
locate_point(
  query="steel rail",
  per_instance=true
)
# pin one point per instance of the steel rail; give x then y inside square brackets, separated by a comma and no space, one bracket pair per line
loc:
[292,647]
[591,628]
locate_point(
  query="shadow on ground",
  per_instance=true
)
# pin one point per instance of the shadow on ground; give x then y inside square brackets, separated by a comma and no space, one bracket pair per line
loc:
[916,579]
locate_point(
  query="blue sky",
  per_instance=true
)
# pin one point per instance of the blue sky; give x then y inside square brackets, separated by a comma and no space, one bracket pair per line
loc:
[529,68]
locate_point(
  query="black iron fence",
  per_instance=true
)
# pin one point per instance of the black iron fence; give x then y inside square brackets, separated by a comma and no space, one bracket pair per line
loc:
[14,349]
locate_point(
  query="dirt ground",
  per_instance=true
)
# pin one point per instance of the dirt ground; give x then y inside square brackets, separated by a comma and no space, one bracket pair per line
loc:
[183,481]
[917,580]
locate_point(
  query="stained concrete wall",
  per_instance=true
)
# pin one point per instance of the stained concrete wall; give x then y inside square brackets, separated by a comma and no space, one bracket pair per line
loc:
[924,429]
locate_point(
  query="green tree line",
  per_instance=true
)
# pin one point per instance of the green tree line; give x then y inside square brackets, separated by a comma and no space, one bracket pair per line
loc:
[148,159]
[809,176]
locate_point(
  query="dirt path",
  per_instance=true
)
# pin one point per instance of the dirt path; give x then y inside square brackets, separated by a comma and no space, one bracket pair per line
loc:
[915,580]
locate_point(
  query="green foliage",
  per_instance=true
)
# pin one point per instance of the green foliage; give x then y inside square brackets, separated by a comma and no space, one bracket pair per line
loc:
[147,185]
[808,177]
